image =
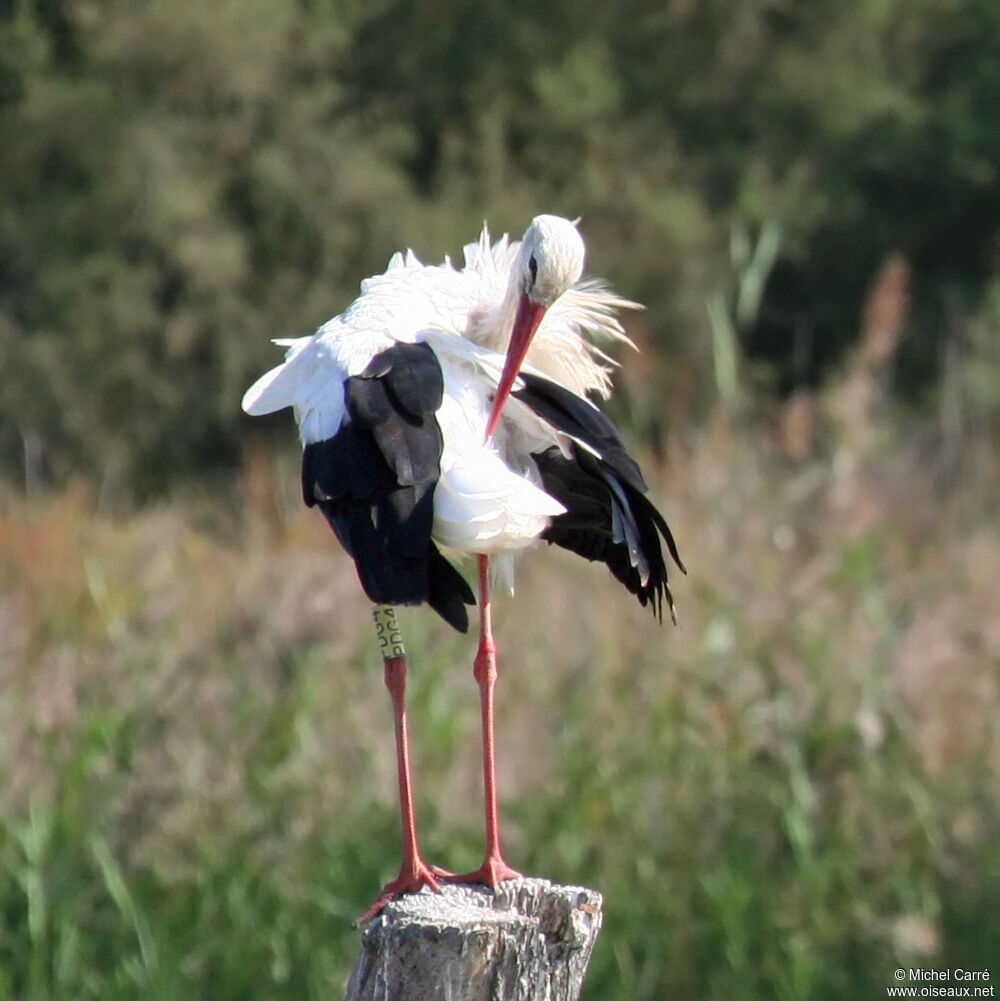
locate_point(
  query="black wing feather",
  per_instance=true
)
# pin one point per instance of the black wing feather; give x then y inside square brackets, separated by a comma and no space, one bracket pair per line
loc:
[608,516]
[417,386]
[374,481]
[579,418]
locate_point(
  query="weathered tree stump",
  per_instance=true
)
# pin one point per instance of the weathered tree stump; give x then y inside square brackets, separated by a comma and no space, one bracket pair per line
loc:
[528,940]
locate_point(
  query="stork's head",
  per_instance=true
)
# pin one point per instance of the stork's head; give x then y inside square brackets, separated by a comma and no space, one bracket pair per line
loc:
[551,259]
[549,262]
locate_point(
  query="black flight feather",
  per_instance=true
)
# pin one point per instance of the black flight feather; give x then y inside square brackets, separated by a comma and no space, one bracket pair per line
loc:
[580,419]
[374,481]
[608,517]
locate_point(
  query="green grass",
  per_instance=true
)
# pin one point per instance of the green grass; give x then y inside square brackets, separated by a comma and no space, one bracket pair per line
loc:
[779,799]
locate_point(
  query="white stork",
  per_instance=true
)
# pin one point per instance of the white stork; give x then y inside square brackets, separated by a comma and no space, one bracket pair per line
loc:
[447,409]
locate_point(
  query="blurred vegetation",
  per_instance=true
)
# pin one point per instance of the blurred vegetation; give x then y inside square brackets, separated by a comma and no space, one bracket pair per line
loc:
[791,795]
[180,181]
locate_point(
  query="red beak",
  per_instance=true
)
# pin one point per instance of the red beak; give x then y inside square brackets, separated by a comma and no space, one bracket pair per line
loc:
[529,315]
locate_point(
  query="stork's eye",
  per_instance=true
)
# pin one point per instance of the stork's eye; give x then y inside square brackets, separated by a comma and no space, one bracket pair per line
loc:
[533,268]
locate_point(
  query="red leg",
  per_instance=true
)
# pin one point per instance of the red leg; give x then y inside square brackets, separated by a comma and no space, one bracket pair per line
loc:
[494,869]
[414,873]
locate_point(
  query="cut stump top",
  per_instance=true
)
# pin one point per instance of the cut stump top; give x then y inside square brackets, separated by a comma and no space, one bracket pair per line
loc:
[528,940]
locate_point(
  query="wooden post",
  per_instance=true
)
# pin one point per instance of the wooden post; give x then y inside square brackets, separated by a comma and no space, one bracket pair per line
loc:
[528,940]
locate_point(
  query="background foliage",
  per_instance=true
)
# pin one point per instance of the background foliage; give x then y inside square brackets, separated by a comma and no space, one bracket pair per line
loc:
[179,182]
[790,796]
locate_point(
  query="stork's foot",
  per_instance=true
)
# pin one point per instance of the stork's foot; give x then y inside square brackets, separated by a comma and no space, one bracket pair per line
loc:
[491,873]
[409,880]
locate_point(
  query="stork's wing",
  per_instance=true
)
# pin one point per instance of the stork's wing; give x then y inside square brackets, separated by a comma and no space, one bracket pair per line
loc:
[374,481]
[608,516]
